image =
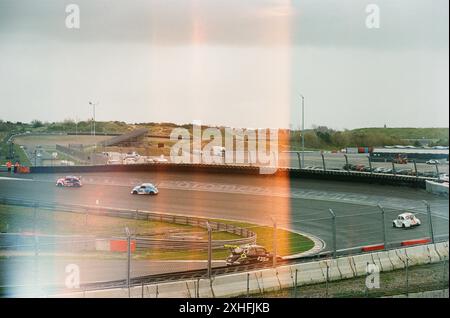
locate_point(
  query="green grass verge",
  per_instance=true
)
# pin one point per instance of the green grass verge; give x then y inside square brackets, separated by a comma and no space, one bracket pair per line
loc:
[420,278]
[21,219]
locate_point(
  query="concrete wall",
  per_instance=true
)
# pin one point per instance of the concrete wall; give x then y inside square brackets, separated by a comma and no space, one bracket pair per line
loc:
[271,279]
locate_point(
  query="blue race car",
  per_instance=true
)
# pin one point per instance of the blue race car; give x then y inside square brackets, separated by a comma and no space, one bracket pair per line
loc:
[145,188]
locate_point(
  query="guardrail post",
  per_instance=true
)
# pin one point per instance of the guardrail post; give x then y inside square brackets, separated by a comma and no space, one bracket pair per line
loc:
[327,278]
[415,168]
[333,216]
[383,225]
[370,164]
[437,172]
[393,168]
[274,244]
[208,226]
[430,221]
[299,161]
[323,162]
[127,231]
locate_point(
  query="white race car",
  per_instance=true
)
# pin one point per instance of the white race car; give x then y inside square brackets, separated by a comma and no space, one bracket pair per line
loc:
[145,188]
[406,220]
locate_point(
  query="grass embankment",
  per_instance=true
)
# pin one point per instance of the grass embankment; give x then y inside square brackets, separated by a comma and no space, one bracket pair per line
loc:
[15,219]
[420,278]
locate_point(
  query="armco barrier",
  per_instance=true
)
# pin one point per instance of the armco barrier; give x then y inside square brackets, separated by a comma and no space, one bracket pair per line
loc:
[143,242]
[340,175]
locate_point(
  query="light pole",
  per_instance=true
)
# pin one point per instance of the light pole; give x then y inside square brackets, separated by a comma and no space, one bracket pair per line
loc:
[303,131]
[93,110]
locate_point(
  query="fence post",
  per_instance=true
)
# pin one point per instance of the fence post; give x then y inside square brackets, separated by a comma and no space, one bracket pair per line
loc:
[407,277]
[327,278]
[383,225]
[208,226]
[333,216]
[248,284]
[370,164]
[430,221]
[127,231]
[346,163]
[296,282]
[445,284]
[274,243]
[393,168]
[142,291]
[323,162]
[437,172]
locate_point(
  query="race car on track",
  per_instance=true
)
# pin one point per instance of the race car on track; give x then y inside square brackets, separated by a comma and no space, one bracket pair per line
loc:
[69,181]
[406,220]
[248,254]
[145,188]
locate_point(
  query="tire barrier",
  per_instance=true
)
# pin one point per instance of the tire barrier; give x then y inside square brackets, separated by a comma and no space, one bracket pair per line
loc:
[145,242]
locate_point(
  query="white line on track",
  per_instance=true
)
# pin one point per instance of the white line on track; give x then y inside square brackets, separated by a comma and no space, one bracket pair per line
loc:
[15,179]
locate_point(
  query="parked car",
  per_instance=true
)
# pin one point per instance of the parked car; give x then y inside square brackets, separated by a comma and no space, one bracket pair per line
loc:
[406,220]
[69,181]
[248,254]
[145,188]
[432,162]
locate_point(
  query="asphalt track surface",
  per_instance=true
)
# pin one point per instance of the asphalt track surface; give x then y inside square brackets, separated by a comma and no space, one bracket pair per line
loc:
[300,205]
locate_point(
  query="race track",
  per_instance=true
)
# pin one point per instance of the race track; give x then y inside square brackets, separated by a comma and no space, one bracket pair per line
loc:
[301,205]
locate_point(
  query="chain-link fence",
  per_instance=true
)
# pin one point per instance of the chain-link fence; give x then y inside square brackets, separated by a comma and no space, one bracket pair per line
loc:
[42,240]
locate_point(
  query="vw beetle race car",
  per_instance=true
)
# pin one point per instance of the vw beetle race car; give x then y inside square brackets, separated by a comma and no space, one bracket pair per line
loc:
[406,220]
[69,181]
[145,188]
[248,254]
